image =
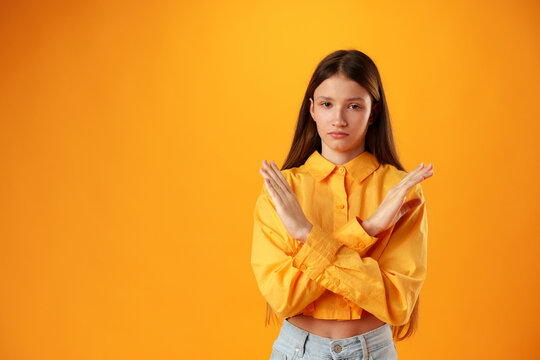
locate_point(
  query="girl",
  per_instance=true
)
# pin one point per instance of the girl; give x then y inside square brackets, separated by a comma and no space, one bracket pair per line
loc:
[340,231]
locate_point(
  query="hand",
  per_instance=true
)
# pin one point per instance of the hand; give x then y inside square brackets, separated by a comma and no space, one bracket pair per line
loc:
[393,207]
[286,202]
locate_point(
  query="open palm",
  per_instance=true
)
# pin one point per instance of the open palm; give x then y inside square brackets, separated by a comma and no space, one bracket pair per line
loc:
[393,207]
[287,206]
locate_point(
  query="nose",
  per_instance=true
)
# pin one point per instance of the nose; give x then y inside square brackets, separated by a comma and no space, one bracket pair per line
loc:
[339,119]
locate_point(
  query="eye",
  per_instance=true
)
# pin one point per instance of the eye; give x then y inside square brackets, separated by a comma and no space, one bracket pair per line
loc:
[324,102]
[357,106]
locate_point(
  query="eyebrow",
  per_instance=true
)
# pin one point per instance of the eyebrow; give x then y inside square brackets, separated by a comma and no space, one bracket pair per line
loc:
[329,98]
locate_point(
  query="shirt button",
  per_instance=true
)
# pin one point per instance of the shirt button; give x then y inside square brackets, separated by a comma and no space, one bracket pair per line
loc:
[303,267]
[337,348]
[341,170]
[341,206]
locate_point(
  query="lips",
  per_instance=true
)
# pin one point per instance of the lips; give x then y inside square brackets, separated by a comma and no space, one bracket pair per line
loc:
[338,133]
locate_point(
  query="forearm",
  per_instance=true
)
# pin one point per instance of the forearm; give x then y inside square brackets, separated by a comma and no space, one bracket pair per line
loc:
[370,227]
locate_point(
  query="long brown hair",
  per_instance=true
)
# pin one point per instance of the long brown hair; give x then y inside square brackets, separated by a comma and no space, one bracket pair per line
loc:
[379,140]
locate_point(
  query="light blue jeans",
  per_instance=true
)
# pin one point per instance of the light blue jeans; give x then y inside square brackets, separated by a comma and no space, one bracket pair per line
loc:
[294,343]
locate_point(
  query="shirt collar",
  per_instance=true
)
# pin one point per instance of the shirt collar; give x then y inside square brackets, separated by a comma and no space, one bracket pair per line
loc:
[359,167]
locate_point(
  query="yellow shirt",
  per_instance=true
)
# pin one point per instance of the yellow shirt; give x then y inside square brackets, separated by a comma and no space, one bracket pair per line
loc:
[341,271]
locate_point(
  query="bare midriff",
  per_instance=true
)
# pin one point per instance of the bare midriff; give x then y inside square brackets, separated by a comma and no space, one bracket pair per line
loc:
[336,329]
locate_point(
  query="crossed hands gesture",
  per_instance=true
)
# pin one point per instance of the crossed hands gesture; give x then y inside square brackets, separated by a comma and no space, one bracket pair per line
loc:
[392,208]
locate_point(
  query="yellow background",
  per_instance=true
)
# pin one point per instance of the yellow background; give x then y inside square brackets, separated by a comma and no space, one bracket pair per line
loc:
[130,142]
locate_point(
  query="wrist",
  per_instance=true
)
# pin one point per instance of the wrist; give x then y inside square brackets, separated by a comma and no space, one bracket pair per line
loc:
[369,227]
[305,233]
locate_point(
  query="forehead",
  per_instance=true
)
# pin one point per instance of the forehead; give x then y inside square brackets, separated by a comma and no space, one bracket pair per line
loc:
[340,87]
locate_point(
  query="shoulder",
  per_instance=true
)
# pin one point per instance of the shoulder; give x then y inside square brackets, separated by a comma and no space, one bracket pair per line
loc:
[296,174]
[391,176]
[292,175]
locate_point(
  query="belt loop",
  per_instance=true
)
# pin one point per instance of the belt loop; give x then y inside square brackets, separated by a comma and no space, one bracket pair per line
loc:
[300,347]
[364,347]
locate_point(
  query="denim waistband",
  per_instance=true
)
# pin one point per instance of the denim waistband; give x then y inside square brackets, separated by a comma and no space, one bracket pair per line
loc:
[292,338]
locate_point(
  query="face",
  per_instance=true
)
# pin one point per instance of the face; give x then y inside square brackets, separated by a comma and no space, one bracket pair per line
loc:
[340,104]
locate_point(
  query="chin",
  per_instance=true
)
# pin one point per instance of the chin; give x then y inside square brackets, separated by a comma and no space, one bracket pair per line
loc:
[342,147]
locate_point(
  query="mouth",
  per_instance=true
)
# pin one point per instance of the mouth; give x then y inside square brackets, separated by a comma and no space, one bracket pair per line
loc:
[338,134]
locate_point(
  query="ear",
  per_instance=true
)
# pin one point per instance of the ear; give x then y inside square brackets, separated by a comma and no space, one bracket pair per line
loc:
[311,109]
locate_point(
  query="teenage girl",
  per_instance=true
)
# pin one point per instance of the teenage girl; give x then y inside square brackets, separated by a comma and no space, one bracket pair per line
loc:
[340,231]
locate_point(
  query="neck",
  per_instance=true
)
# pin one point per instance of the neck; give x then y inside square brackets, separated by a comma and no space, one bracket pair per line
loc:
[341,157]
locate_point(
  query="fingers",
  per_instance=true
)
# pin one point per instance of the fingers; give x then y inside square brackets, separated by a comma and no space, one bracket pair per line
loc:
[273,191]
[415,176]
[420,169]
[280,176]
[426,171]
[280,181]
[420,173]
[269,184]
[273,184]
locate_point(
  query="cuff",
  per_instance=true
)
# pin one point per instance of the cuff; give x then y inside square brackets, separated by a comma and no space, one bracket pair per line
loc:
[354,236]
[316,253]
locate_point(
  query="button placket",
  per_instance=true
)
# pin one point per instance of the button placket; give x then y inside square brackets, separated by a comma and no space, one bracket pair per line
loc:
[340,197]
